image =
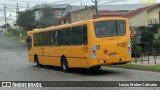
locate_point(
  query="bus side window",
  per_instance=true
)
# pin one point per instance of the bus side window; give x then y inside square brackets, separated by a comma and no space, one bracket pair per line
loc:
[35,36]
[66,36]
[69,36]
[73,35]
[52,37]
[85,36]
[40,39]
[49,38]
[44,41]
[57,37]
[77,35]
[55,33]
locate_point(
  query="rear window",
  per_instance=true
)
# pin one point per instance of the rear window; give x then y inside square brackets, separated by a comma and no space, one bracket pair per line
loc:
[110,28]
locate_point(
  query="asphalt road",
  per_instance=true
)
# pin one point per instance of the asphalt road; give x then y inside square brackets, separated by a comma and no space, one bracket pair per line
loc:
[14,66]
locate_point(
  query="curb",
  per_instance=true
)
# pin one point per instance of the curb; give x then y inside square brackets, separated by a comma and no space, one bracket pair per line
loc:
[133,68]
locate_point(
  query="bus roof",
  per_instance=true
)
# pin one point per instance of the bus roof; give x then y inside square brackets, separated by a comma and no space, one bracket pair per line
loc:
[30,32]
[110,18]
[73,24]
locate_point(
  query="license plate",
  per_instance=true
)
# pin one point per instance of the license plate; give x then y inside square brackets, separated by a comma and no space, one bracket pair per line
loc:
[112,55]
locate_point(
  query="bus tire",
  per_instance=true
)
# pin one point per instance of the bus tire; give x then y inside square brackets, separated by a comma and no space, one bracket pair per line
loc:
[64,64]
[37,61]
[95,67]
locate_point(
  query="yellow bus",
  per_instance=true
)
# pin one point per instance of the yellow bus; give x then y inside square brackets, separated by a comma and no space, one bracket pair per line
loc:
[89,43]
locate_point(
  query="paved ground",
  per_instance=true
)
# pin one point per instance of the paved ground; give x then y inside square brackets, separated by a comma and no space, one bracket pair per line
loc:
[14,66]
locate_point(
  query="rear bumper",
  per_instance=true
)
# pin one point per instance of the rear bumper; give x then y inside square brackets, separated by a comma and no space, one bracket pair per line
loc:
[111,61]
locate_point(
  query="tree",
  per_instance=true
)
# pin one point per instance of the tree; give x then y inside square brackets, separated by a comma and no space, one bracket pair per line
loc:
[26,19]
[147,37]
[48,18]
[6,25]
[156,45]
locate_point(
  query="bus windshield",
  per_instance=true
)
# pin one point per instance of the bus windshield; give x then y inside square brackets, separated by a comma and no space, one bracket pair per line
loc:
[110,28]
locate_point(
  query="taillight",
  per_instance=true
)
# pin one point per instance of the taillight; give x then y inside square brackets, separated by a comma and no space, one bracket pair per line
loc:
[129,49]
[94,49]
[94,52]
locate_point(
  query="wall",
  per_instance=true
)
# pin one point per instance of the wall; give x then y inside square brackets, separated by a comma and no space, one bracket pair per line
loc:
[153,18]
[83,14]
[139,20]
[38,14]
[153,15]
[56,12]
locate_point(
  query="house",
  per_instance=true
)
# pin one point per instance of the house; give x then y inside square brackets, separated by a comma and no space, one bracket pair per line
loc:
[88,12]
[67,15]
[139,15]
[148,16]
[122,7]
[80,14]
[57,9]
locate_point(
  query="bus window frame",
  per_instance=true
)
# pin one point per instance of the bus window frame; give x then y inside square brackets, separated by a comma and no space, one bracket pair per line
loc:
[77,36]
[29,43]
[85,44]
[67,31]
[116,28]
[50,38]
[55,38]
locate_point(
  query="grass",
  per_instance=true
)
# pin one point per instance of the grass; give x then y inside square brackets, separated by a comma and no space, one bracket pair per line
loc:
[15,36]
[155,68]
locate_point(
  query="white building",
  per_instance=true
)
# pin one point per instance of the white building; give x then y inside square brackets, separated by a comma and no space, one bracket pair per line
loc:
[9,21]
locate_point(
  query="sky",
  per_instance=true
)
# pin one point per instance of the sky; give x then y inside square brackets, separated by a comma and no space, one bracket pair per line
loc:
[11,5]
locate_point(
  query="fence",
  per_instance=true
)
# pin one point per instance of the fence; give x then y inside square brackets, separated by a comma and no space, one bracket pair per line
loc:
[145,56]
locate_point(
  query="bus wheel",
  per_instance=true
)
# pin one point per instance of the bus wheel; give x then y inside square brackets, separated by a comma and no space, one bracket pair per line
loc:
[64,64]
[37,62]
[95,67]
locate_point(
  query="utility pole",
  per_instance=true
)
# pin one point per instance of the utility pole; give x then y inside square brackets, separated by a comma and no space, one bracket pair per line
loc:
[17,14]
[5,17]
[81,4]
[96,6]
[28,6]
[17,11]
